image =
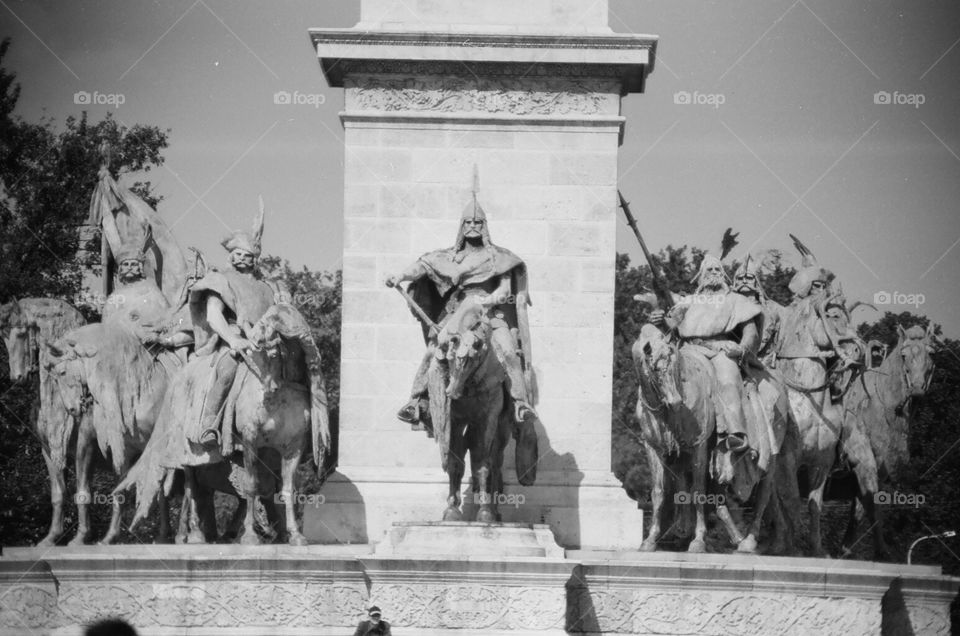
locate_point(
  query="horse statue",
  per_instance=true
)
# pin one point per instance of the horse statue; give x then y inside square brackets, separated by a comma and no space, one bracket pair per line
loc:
[817,349]
[27,325]
[277,404]
[112,386]
[471,410]
[677,424]
[876,422]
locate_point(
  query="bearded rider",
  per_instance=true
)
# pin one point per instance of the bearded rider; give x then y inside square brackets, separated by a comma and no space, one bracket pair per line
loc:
[497,278]
[223,306]
[726,326]
[137,301]
[746,282]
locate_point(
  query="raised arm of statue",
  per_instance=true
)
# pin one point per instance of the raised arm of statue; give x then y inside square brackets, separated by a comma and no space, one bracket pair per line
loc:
[412,273]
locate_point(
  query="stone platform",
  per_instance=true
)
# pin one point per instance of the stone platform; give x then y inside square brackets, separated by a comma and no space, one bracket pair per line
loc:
[214,590]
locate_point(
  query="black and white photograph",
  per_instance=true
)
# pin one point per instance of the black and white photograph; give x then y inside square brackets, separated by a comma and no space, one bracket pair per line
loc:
[479,317]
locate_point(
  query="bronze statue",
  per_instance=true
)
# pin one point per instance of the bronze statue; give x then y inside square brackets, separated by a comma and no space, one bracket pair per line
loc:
[876,420]
[27,326]
[216,406]
[815,347]
[474,292]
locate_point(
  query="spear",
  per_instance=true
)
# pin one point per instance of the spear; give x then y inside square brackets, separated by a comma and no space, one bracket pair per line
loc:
[656,275]
[418,310]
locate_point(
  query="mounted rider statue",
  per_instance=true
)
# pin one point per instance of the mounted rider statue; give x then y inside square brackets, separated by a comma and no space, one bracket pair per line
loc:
[497,279]
[224,305]
[725,327]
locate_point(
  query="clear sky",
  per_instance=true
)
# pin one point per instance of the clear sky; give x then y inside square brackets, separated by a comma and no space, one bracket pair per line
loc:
[787,135]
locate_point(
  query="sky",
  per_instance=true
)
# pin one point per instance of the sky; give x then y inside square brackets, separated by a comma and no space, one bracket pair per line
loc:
[834,121]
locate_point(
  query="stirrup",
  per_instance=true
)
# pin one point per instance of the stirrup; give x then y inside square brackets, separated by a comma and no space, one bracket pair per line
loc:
[522,411]
[210,438]
[409,413]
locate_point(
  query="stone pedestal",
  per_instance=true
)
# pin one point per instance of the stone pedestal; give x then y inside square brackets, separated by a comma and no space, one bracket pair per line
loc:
[464,540]
[529,93]
[211,590]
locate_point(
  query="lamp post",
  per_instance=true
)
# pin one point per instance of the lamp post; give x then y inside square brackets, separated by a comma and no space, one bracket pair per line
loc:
[942,535]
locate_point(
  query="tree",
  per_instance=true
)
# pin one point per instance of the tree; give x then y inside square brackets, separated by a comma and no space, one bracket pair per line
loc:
[47,175]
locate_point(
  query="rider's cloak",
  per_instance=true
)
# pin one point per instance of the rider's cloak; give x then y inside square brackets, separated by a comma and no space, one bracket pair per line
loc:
[446,275]
[714,315]
[245,297]
[136,304]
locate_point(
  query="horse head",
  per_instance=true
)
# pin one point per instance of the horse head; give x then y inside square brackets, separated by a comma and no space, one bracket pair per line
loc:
[63,361]
[657,361]
[20,338]
[462,343]
[915,349]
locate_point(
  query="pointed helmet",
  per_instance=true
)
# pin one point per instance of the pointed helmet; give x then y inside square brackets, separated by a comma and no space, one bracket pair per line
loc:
[247,241]
[747,276]
[472,216]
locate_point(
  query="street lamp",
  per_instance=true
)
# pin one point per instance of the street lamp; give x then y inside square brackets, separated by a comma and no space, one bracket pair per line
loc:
[942,535]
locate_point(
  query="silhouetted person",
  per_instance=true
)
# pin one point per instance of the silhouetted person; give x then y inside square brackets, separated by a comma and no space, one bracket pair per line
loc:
[373,625]
[111,627]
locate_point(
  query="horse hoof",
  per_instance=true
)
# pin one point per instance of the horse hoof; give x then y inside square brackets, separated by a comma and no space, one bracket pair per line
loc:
[452,514]
[77,542]
[195,537]
[648,546]
[250,538]
[47,542]
[748,545]
[485,515]
[297,539]
[697,546]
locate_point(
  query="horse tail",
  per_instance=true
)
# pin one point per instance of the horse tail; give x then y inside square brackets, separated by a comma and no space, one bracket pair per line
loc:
[319,413]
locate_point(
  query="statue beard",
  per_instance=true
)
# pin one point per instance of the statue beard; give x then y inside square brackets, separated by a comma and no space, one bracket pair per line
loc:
[242,264]
[713,282]
[129,276]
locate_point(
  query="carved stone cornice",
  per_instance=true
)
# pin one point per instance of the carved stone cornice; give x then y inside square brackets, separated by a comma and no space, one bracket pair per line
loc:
[630,58]
[472,95]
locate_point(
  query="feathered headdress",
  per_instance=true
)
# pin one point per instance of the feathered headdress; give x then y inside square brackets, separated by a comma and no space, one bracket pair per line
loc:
[247,241]
[809,272]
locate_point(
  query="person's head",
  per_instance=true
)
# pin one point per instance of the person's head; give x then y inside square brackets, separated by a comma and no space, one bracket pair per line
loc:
[711,276]
[110,627]
[746,281]
[130,259]
[244,247]
[374,614]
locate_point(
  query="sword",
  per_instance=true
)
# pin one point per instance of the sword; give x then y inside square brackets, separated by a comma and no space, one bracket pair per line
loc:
[418,310]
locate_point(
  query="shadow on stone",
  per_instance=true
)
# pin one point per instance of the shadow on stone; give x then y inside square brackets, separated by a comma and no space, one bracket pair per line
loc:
[340,517]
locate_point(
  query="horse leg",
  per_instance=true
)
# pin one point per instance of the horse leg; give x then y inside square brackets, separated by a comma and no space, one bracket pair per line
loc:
[163,526]
[250,460]
[853,524]
[749,543]
[288,469]
[57,488]
[455,469]
[656,499]
[815,506]
[698,544]
[482,460]
[84,464]
[117,501]
[190,515]
[864,464]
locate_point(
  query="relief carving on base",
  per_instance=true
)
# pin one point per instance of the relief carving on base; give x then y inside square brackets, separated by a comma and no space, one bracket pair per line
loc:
[513,96]
[645,611]
[226,604]
[476,606]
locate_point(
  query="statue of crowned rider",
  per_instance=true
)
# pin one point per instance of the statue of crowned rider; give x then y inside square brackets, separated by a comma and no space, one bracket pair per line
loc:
[494,277]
